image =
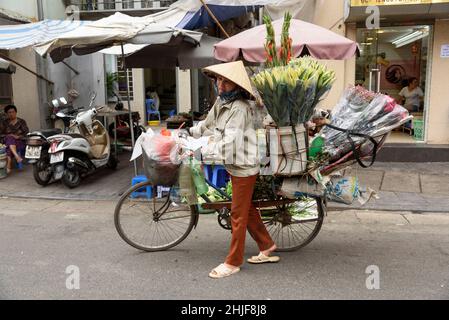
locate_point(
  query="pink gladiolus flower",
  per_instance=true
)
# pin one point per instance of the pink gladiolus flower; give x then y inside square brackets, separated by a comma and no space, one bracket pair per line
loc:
[390,105]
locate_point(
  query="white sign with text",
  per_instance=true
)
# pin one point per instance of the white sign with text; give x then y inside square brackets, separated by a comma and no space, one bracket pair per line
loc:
[445,51]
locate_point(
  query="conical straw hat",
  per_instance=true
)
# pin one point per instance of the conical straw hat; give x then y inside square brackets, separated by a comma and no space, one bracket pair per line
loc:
[233,71]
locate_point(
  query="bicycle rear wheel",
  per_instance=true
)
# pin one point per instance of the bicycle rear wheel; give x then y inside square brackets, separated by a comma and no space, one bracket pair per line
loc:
[294,225]
[152,223]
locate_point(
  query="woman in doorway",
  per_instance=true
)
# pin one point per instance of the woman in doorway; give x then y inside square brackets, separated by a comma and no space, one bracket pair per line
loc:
[231,128]
[412,95]
[16,130]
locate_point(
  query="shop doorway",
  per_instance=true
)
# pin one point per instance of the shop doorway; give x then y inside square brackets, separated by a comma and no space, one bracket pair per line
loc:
[161,82]
[394,61]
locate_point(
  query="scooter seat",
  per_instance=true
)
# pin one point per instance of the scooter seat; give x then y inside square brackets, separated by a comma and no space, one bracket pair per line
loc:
[50,132]
[75,136]
[98,141]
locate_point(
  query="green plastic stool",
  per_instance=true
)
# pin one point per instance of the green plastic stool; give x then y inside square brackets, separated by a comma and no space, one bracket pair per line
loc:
[418,129]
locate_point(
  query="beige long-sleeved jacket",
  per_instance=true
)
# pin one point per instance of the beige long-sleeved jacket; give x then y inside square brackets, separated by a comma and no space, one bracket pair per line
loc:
[233,137]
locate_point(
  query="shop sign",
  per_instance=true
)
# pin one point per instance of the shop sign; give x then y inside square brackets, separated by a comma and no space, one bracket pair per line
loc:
[445,51]
[365,3]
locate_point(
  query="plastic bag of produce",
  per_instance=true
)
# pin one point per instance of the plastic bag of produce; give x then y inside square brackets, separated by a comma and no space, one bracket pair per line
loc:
[199,180]
[186,186]
[347,190]
[344,190]
[161,159]
[160,148]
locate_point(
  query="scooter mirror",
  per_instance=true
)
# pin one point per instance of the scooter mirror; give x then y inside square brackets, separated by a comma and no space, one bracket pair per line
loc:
[63,100]
[55,103]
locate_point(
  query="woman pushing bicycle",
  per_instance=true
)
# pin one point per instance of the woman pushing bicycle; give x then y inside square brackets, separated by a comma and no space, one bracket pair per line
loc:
[233,142]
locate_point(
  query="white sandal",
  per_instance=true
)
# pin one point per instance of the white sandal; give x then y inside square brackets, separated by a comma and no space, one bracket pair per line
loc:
[261,258]
[222,271]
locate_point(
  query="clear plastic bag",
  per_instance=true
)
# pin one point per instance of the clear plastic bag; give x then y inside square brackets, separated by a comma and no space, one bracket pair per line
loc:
[363,112]
[161,158]
[159,148]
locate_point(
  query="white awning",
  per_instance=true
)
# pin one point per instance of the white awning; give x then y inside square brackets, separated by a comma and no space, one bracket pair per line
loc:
[25,35]
[114,30]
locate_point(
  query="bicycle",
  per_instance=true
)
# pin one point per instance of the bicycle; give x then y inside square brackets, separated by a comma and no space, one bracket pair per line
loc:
[292,223]
[159,222]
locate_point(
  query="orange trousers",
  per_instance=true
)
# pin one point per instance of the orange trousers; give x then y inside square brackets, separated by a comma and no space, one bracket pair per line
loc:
[244,216]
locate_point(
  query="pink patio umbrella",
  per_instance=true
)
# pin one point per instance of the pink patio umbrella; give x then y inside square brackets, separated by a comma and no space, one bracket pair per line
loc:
[308,39]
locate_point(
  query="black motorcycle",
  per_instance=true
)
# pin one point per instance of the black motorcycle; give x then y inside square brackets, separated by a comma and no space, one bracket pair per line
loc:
[37,154]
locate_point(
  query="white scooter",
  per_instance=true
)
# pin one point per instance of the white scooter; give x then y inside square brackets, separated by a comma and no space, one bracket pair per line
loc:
[81,151]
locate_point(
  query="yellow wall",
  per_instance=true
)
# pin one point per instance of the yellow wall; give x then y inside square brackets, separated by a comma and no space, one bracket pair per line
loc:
[138,102]
[329,15]
[184,97]
[438,117]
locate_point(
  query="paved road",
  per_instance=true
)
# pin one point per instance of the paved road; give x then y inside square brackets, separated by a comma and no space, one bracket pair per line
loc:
[40,239]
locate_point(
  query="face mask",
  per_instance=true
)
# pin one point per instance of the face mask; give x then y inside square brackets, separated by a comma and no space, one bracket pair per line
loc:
[227,95]
[231,96]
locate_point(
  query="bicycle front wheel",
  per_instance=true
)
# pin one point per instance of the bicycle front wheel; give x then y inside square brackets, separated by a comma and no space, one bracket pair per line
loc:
[152,222]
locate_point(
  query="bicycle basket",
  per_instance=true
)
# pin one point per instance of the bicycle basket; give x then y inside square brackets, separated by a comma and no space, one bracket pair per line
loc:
[160,173]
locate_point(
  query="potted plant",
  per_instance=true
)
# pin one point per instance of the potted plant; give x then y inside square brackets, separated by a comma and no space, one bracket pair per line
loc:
[111,80]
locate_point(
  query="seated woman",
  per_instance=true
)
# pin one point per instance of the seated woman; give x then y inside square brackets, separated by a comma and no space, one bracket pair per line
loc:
[15,130]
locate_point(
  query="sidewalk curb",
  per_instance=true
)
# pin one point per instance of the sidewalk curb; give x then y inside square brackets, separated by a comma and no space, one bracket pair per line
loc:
[332,206]
[393,210]
[56,198]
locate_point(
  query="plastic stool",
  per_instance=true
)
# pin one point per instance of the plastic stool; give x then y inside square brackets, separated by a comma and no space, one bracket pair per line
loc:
[220,176]
[141,193]
[418,129]
[22,155]
[207,168]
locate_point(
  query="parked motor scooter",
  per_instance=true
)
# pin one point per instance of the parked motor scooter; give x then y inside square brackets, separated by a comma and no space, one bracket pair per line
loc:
[82,151]
[37,154]
[37,144]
